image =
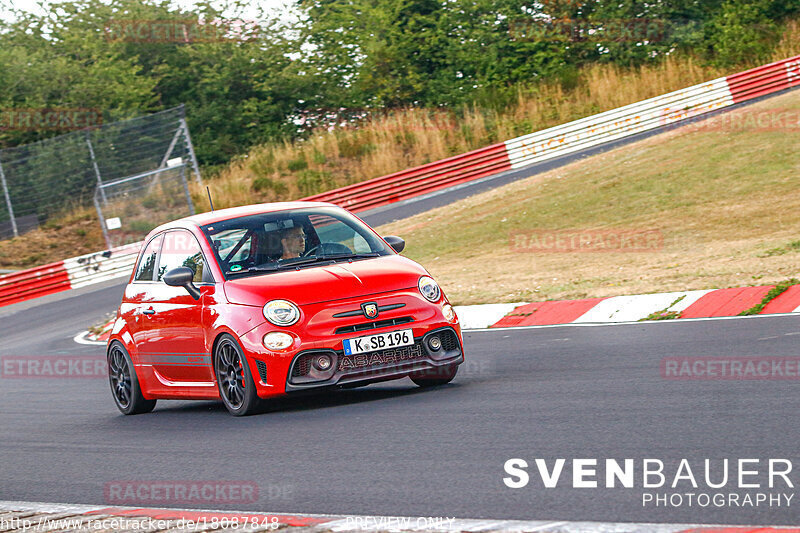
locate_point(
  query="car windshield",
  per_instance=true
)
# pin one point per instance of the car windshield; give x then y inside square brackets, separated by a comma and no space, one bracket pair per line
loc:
[296,238]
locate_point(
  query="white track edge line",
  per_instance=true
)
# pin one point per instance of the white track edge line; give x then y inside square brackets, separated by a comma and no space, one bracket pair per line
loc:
[596,324]
[80,338]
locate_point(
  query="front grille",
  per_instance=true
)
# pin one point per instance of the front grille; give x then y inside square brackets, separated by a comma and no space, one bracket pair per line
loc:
[374,325]
[449,340]
[381,358]
[303,365]
[262,370]
[360,312]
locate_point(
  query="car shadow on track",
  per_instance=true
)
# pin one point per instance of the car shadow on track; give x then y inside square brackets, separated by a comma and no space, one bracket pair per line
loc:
[298,402]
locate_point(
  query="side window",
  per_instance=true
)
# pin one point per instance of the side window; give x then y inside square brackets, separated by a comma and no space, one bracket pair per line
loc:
[181,249]
[147,261]
[230,246]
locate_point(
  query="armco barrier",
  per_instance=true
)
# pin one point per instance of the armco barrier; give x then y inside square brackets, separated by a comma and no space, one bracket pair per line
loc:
[101,266]
[523,151]
[568,138]
[420,180]
[33,283]
[69,274]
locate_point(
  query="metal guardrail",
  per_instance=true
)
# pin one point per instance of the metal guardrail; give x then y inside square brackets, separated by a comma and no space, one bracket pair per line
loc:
[520,152]
[420,180]
[568,138]
[68,274]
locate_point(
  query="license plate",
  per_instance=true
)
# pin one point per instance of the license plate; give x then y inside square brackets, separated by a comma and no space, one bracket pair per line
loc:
[380,341]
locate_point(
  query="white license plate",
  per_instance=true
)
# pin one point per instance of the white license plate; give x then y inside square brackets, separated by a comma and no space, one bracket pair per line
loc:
[380,341]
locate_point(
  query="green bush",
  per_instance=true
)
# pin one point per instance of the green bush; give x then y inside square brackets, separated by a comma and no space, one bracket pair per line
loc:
[264,184]
[742,30]
[297,164]
[314,181]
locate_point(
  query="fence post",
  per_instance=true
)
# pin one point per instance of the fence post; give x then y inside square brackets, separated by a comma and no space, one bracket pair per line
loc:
[171,146]
[186,189]
[102,220]
[189,147]
[96,170]
[8,202]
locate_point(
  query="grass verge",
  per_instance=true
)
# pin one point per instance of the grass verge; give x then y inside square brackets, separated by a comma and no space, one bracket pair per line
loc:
[719,197]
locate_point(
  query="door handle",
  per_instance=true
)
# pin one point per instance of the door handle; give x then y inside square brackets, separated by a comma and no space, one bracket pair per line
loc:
[149,312]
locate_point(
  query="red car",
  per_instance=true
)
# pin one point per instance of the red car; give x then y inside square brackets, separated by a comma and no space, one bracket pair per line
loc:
[253,302]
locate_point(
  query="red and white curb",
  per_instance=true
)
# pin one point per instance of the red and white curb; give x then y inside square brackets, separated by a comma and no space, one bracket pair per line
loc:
[20,517]
[684,305]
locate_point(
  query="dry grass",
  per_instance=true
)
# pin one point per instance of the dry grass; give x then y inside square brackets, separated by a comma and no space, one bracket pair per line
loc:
[726,202]
[411,137]
[75,234]
[402,139]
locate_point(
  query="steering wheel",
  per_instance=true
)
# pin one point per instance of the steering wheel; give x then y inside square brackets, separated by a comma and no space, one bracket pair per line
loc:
[333,248]
[311,251]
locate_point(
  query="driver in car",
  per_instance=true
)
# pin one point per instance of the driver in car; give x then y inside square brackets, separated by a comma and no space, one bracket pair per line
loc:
[294,242]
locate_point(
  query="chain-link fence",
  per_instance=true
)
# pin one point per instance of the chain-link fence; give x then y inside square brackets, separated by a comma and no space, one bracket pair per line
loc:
[50,177]
[130,207]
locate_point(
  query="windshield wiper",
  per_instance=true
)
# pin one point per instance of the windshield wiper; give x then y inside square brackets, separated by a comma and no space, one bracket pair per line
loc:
[300,261]
[349,256]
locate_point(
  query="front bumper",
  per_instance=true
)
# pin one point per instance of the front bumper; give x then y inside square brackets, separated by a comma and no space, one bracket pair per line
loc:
[375,366]
[322,329]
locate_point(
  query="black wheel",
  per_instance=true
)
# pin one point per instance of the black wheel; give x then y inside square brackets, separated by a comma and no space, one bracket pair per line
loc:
[124,383]
[435,376]
[236,386]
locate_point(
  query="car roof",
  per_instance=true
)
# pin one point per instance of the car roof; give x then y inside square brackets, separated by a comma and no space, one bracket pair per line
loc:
[212,217]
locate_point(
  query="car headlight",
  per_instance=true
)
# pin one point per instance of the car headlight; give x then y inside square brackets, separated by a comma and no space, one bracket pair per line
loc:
[281,312]
[429,289]
[277,340]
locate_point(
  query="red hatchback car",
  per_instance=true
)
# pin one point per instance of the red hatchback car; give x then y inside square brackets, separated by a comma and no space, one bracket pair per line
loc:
[248,303]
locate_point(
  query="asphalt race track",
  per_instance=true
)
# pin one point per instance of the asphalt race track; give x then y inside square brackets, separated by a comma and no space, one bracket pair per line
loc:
[394,449]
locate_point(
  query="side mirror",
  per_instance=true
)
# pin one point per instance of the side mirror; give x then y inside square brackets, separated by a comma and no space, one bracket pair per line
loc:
[182,277]
[396,243]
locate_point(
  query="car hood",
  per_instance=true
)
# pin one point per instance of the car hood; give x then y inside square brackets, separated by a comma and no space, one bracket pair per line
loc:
[319,284]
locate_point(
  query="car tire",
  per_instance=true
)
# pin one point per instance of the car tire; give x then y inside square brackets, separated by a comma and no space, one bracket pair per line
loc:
[234,380]
[124,382]
[436,376]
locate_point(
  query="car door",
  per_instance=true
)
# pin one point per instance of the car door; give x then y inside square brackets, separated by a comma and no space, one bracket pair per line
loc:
[176,346]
